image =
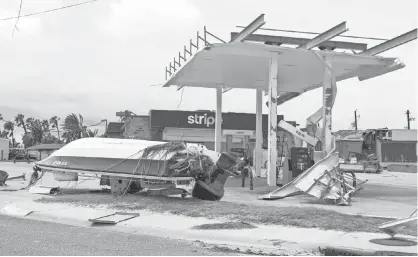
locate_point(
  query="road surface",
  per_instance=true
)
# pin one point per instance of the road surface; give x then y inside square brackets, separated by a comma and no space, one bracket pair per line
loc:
[32,237]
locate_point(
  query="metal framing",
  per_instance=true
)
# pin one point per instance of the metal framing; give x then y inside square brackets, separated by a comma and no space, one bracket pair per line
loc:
[300,41]
[327,35]
[248,30]
[392,43]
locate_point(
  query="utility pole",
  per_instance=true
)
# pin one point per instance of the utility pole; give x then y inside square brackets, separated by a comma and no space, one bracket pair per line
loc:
[355,119]
[409,118]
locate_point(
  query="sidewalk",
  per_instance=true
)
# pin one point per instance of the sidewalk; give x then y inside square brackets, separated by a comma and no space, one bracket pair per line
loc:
[273,239]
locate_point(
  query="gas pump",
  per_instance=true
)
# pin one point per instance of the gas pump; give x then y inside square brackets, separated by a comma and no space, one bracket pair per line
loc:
[301,160]
[298,160]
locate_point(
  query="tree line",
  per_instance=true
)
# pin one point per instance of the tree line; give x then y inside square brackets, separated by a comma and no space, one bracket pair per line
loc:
[39,131]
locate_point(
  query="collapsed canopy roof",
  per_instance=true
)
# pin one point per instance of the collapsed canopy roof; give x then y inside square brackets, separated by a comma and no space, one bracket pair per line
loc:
[246,65]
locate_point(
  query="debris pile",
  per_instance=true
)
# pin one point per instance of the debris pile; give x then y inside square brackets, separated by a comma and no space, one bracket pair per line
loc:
[324,180]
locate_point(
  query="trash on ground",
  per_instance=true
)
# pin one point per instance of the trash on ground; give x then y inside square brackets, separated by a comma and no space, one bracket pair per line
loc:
[17,177]
[114,218]
[394,227]
[44,190]
[324,180]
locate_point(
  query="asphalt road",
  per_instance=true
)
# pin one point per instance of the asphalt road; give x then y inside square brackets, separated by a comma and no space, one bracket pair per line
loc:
[32,237]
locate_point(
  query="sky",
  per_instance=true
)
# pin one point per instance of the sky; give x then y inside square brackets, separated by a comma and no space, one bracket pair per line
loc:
[110,55]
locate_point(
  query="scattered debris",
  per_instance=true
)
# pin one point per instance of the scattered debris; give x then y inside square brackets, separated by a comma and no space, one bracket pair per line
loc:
[114,218]
[18,177]
[324,180]
[44,190]
[393,227]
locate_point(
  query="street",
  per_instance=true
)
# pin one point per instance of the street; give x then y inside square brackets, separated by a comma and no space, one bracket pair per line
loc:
[31,237]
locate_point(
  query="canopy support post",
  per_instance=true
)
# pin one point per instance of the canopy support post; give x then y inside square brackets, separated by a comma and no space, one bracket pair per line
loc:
[327,98]
[218,120]
[258,132]
[272,127]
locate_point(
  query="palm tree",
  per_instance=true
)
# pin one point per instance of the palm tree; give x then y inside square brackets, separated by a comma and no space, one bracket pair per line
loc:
[9,126]
[35,133]
[45,126]
[54,124]
[92,133]
[73,127]
[3,134]
[20,121]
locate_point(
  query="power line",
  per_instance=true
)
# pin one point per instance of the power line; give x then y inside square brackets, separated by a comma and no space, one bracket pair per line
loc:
[315,33]
[18,16]
[181,99]
[47,11]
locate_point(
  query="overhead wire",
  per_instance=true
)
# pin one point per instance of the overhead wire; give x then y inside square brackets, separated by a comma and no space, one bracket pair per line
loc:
[47,11]
[17,20]
[181,98]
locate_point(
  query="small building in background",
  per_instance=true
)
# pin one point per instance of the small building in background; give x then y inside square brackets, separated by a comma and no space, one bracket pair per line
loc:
[42,151]
[115,130]
[389,145]
[138,127]
[4,149]
[397,146]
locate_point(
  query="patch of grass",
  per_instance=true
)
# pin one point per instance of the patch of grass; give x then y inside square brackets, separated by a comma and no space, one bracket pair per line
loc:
[234,212]
[226,225]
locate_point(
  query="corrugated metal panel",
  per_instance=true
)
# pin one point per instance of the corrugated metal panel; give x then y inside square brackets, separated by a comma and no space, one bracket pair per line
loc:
[393,151]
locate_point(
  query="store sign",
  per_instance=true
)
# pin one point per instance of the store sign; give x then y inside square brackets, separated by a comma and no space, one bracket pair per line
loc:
[199,119]
[205,120]
[182,119]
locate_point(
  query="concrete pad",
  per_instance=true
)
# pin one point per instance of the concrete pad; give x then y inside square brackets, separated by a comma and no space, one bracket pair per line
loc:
[391,195]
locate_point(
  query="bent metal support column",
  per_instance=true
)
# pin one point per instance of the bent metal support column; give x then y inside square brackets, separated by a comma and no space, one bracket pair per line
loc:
[272,129]
[327,107]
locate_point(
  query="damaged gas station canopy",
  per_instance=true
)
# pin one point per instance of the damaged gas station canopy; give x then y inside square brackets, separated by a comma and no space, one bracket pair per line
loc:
[247,65]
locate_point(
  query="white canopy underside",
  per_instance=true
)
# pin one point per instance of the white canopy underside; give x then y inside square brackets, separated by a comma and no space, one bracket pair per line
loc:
[246,65]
